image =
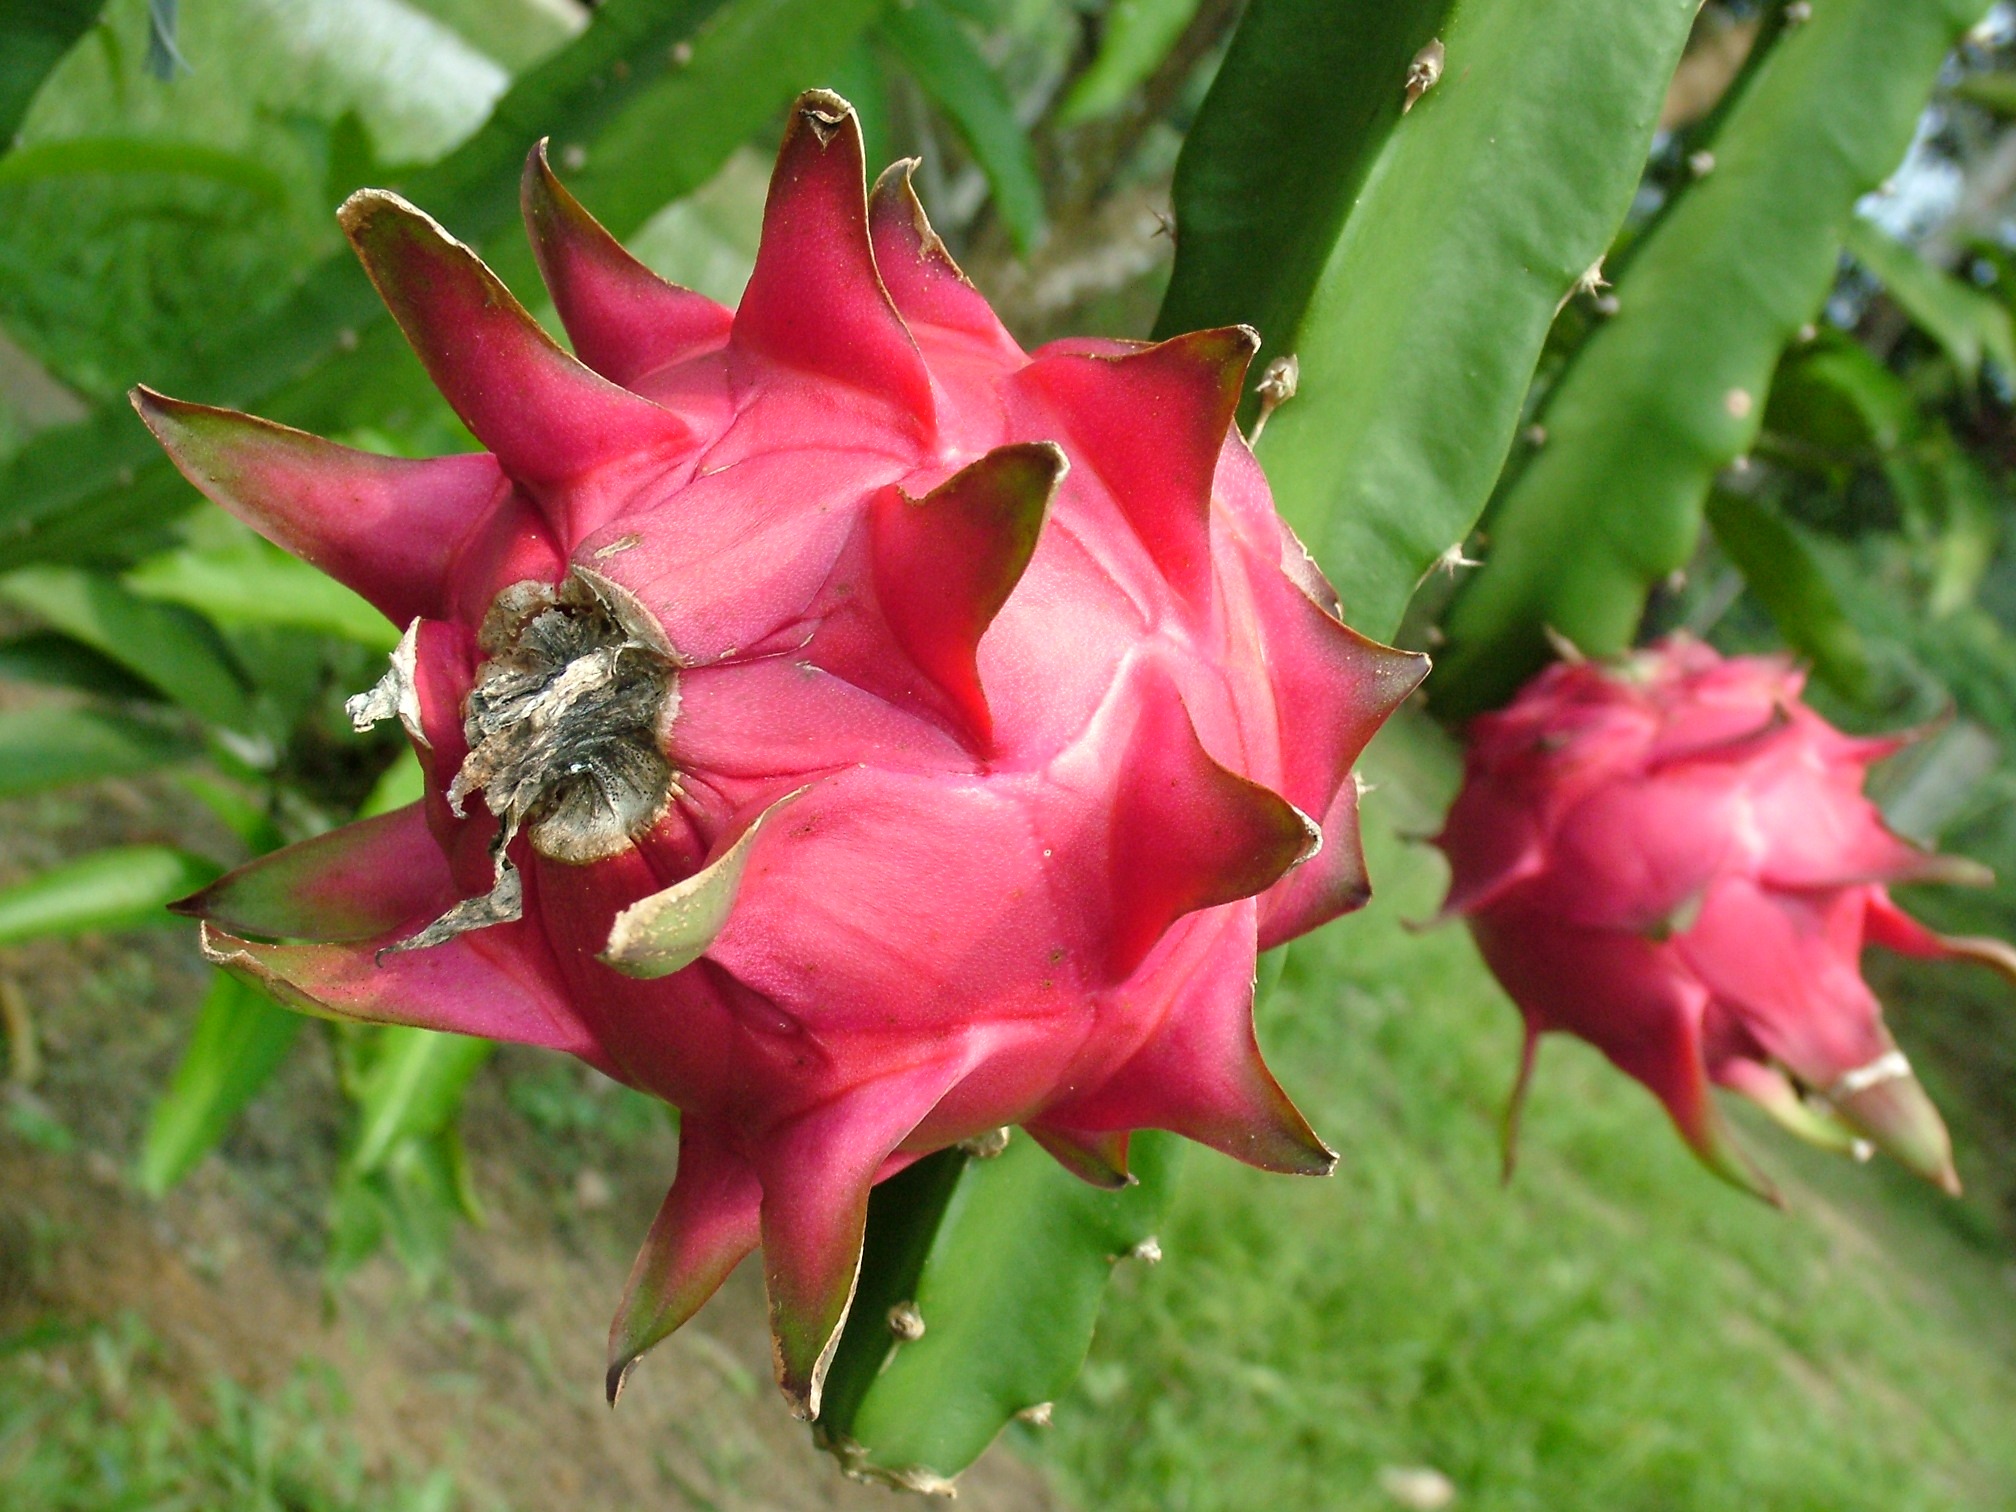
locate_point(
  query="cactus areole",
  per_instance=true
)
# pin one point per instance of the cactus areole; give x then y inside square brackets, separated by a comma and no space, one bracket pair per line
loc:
[838,722]
[1672,858]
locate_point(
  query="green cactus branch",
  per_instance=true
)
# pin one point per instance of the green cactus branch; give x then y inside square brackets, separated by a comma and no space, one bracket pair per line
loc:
[1000,1266]
[34,36]
[1672,390]
[1493,197]
[1306,100]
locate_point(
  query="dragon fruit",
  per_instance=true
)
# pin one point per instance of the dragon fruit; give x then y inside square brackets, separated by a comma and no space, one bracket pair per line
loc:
[855,731]
[1673,859]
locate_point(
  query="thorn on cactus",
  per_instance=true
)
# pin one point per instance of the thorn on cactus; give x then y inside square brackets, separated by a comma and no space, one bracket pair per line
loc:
[1563,647]
[1148,1251]
[1423,73]
[1451,560]
[906,1324]
[988,1145]
[1276,387]
[1589,281]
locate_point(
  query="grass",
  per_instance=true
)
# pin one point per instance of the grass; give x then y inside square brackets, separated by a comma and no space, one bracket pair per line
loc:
[87,1425]
[1616,1330]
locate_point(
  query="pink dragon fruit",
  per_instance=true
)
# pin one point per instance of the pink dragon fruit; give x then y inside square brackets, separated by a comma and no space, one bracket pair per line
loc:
[1672,858]
[837,722]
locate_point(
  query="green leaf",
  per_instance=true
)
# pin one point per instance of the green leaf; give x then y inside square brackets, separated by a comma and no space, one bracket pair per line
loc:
[175,650]
[653,122]
[1953,512]
[517,33]
[1136,37]
[252,583]
[1966,659]
[43,748]
[119,888]
[1772,556]
[34,36]
[936,50]
[1835,409]
[1968,323]
[241,1038]
[415,1199]
[411,1089]
[708,241]
[27,1119]
[406,1177]
[399,784]
[1839,405]
[1672,388]
[246,812]
[1412,263]
[74,156]
[1992,91]
[55,660]
[749,62]
[1006,1261]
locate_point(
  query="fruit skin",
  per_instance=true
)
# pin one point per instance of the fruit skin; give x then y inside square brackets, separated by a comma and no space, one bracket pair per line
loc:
[894,735]
[1672,858]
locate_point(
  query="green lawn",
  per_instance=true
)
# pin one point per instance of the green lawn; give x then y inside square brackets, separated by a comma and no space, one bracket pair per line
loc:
[1617,1330]
[86,1426]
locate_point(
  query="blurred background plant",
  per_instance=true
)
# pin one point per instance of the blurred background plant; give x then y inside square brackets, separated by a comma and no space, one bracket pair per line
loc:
[1770,293]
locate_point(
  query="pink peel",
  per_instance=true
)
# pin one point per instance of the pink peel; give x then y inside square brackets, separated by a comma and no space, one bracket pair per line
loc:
[387,527]
[1161,481]
[354,883]
[707,1224]
[624,320]
[548,418]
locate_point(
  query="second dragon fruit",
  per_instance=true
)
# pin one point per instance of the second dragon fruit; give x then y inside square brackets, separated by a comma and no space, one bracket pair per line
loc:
[1671,857]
